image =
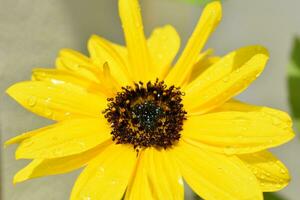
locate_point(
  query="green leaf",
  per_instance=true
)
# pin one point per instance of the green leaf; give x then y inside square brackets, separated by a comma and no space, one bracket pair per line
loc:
[294,82]
[272,196]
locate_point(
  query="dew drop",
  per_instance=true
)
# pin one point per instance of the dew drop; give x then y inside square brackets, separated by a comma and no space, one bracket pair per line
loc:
[67,114]
[255,171]
[283,171]
[48,112]
[226,79]
[32,101]
[275,122]
[100,172]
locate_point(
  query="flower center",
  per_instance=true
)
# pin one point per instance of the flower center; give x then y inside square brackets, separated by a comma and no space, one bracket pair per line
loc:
[146,115]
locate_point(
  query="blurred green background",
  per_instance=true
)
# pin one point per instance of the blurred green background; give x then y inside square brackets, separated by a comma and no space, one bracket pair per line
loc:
[33,31]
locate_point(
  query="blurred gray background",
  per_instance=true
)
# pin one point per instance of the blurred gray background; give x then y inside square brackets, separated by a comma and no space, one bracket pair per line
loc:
[33,31]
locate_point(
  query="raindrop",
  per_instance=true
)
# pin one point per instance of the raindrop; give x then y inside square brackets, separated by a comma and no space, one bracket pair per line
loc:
[275,122]
[48,112]
[32,101]
[283,171]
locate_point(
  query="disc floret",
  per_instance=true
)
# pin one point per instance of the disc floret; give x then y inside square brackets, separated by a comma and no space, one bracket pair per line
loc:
[146,115]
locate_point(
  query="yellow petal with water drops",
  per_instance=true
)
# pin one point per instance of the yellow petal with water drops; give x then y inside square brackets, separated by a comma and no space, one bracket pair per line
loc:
[208,21]
[65,138]
[225,79]
[163,174]
[269,171]
[74,61]
[57,101]
[102,52]
[46,167]
[61,76]
[216,176]
[138,53]
[139,186]
[163,45]
[106,176]
[236,132]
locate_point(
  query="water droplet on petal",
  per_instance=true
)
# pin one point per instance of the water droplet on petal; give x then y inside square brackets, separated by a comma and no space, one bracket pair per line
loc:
[275,122]
[48,112]
[32,101]
[283,171]
[226,79]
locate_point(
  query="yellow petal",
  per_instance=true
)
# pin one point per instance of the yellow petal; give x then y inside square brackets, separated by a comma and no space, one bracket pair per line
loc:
[269,171]
[225,79]
[138,53]
[139,186]
[205,60]
[46,167]
[74,61]
[57,101]
[65,138]
[102,52]
[236,105]
[61,76]
[208,21]
[216,176]
[163,45]
[25,135]
[107,176]
[237,132]
[163,174]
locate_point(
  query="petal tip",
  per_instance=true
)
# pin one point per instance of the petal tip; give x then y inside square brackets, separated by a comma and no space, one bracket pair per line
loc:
[215,8]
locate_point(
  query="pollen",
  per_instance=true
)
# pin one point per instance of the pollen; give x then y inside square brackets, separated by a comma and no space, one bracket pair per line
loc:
[146,115]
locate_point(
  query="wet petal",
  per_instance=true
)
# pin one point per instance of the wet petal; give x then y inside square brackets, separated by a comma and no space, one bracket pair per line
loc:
[139,187]
[163,45]
[107,176]
[237,132]
[138,53]
[65,138]
[269,171]
[61,76]
[70,60]
[46,167]
[225,79]
[216,176]
[163,174]
[57,101]
[102,52]
[208,21]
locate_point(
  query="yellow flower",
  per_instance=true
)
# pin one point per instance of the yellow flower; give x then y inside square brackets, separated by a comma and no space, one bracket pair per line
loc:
[140,125]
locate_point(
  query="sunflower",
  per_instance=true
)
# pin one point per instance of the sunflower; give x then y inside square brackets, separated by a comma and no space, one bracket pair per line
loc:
[141,125]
